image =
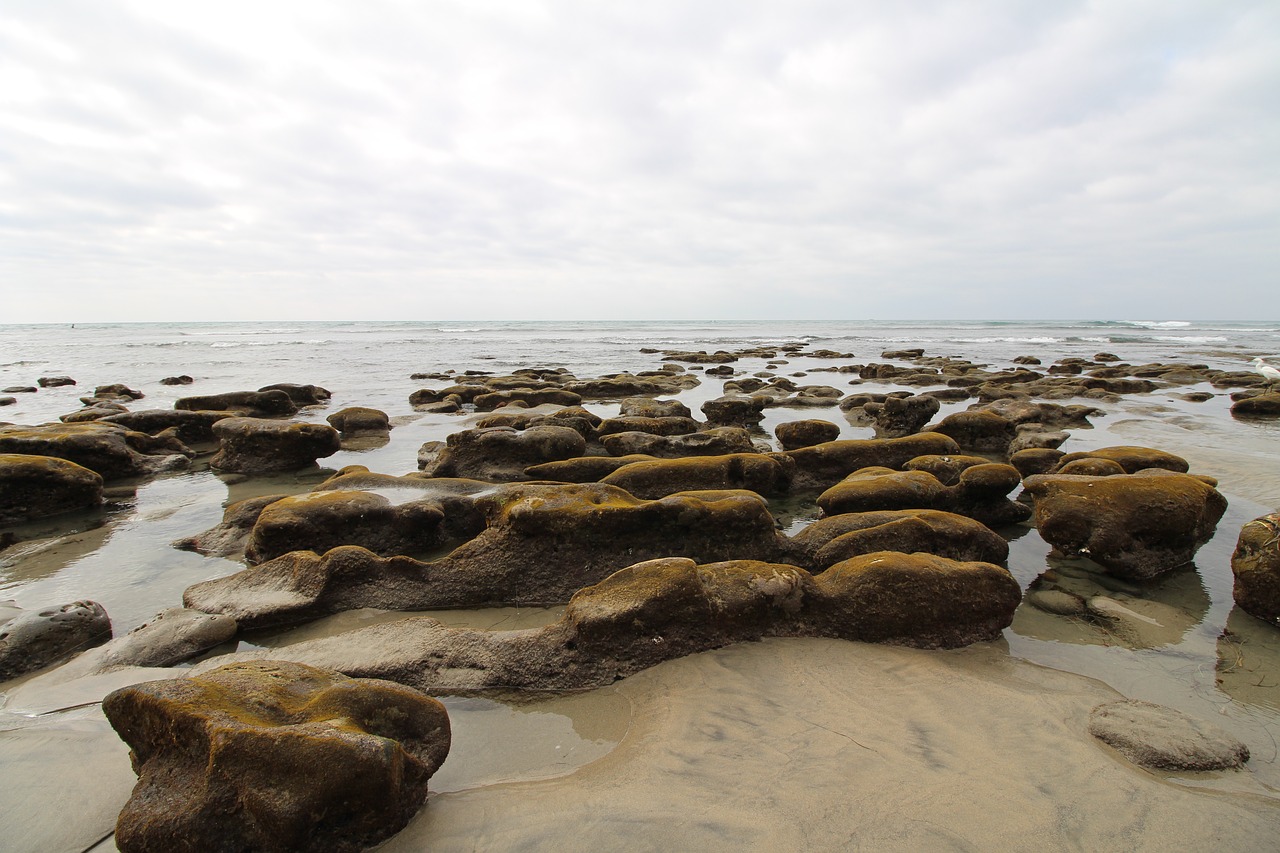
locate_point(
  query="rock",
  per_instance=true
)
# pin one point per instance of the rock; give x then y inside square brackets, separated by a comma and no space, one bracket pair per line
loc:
[1051,415]
[1255,565]
[1262,406]
[982,431]
[712,442]
[1057,602]
[796,434]
[583,469]
[736,411]
[1036,460]
[228,538]
[647,407]
[526,396]
[900,416]
[665,426]
[1132,459]
[117,391]
[275,403]
[274,756]
[257,446]
[359,420]
[1091,467]
[823,465]
[501,454]
[39,486]
[665,608]
[1136,526]
[8,401]
[110,450]
[1137,622]
[34,639]
[832,540]
[183,379]
[980,493]
[1161,738]
[19,389]
[765,474]
[301,395]
[541,543]
[54,381]
[946,468]
[624,385]
[189,426]
[168,638]
[320,521]
[93,412]
[917,600]
[1033,435]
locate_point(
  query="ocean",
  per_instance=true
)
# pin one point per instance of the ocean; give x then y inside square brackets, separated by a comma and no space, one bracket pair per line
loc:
[1211,660]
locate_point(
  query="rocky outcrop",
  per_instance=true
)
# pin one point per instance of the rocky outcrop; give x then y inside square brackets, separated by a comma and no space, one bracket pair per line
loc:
[1255,564]
[841,537]
[541,543]
[323,520]
[525,397]
[647,407]
[1135,525]
[34,639]
[900,416]
[1132,458]
[1260,406]
[716,441]
[584,469]
[824,465]
[502,454]
[983,431]
[666,608]
[168,638]
[192,427]
[112,451]
[360,420]
[255,404]
[257,446]
[793,435]
[666,425]
[1161,738]
[273,756]
[39,486]
[980,493]
[765,474]
[301,395]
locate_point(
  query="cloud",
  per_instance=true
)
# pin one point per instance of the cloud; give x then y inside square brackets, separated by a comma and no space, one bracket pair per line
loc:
[575,159]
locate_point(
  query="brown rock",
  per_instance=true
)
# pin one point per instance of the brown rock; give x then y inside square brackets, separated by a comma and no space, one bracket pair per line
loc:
[1256,567]
[39,486]
[257,446]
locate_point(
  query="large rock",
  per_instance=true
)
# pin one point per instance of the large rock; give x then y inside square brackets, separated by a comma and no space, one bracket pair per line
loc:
[734,411]
[665,608]
[793,435]
[823,465]
[501,454]
[257,404]
[666,425]
[257,446]
[39,486]
[273,756]
[526,397]
[1256,567]
[360,420]
[716,441]
[765,474]
[900,416]
[1161,738]
[1131,458]
[980,493]
[301,395]
[841,537]
[188,426]
[647,407]
[1135,525]
[168,638]
[983,431]
[112,451]
[541,543]
[322,520]
[34,639]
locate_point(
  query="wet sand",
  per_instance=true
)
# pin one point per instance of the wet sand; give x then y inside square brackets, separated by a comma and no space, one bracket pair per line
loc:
[785,744]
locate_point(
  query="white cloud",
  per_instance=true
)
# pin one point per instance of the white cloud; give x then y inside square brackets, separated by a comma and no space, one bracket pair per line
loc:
[561,159]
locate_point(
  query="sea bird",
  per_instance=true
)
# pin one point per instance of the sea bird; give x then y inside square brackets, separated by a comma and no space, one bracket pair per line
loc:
[1266,371]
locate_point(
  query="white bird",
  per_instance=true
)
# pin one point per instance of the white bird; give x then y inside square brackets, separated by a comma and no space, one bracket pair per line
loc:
[1266,371]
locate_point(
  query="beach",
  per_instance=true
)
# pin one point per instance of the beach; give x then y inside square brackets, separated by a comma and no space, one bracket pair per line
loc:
[788,743]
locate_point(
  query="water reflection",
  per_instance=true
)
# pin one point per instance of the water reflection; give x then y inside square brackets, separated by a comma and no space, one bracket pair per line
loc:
[1249,660]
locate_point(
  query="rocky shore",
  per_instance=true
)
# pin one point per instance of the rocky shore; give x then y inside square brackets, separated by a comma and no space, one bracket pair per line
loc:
[774,599]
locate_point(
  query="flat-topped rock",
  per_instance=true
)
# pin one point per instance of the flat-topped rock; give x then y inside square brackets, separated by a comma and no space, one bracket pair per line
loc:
[258,446]
[40,486]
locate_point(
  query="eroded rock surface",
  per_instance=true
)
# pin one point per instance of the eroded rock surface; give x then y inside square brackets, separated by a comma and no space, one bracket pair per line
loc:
[1161,738]
[1256,567]
[112,451]
[258,446]
[979,493]
[666,608]
[502,454]
[1135,525]
[39,486]
[274,756]
[832,540]
[823,465]
[33,639]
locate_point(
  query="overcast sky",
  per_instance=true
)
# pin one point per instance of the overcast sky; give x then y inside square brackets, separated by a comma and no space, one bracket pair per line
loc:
[172,160]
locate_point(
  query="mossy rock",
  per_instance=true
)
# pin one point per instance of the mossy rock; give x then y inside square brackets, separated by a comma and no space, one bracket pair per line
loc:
[40,486]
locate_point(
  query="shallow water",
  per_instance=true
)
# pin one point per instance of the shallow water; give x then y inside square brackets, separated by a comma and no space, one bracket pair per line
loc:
[727,742]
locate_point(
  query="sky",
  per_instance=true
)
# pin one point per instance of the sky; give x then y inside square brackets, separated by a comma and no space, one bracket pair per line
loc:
[574,159]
